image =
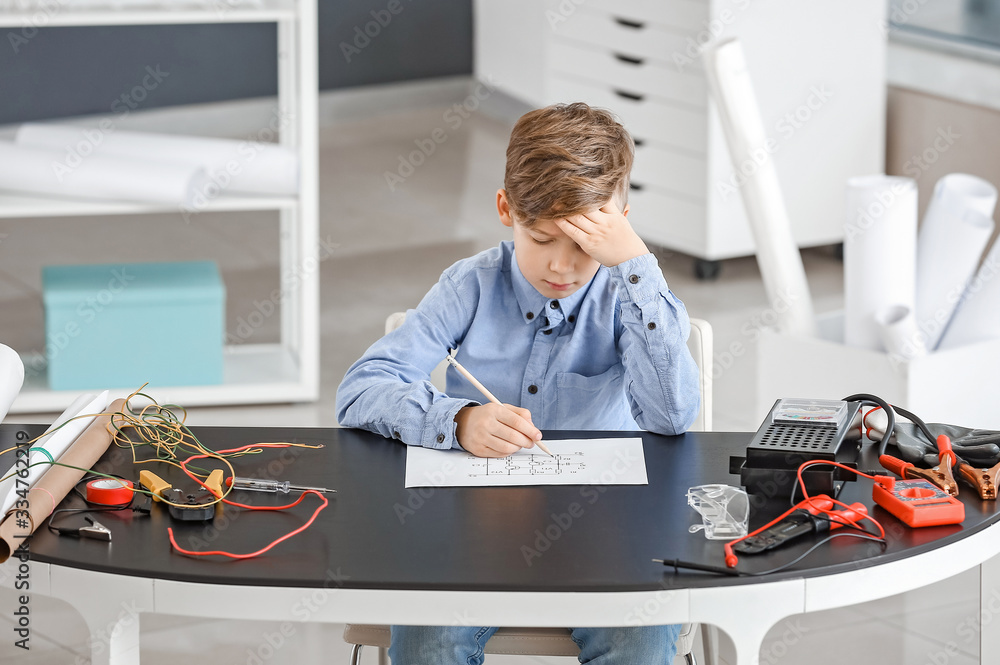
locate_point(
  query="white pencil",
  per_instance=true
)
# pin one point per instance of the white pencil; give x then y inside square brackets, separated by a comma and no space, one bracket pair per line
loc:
[490,396]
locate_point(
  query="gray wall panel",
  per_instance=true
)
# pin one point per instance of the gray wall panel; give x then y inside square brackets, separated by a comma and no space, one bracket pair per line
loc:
[61,72]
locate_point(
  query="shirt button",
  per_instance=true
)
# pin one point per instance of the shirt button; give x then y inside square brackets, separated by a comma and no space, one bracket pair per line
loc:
[571,318]
[651,325]
[634,279]
[395,435]
[529,315]
[554,304]
[532,389]
[547,332]
[440,438]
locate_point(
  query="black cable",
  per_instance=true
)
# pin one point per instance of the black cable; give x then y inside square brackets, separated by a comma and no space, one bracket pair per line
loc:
[890,427]
[862,536]
[918,422]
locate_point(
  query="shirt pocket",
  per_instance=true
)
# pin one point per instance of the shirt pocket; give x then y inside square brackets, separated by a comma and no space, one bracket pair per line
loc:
[592,402]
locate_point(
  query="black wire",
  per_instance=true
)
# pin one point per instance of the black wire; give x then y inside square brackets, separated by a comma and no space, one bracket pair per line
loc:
[865,398]
[863,536]
[918,422]
[73,530]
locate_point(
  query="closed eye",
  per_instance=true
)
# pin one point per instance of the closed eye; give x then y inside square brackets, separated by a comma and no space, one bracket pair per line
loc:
[542,242]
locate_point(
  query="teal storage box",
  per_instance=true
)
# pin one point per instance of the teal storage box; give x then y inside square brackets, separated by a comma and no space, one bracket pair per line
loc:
[120,325]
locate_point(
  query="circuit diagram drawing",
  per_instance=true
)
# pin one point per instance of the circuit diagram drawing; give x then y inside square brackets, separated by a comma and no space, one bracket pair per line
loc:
[531,464]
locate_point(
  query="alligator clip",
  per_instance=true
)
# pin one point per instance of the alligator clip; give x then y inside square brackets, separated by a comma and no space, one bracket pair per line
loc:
[96,530]
[983,480]
[940,476]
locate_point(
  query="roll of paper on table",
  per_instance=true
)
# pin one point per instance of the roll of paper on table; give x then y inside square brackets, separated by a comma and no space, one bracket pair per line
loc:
[264,485]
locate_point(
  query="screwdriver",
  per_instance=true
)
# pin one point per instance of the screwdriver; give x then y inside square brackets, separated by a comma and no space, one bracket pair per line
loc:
[264,485]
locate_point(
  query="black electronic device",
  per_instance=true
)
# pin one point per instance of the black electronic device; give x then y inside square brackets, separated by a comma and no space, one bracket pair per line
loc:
[797,431]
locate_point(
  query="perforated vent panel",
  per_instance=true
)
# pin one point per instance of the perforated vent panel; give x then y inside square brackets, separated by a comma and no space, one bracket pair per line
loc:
[800,439]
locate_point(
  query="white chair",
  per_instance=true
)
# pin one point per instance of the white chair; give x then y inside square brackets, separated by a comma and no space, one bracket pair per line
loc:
[557,641]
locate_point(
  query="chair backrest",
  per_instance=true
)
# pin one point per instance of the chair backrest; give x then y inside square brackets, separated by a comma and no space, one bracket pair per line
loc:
[700,344]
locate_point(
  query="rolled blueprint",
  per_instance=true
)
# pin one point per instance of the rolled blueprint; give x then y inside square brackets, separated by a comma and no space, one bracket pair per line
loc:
[11,378]
[777,254]
[40,170]
[880,254]
[50,447]
[977,317]
[57,481]
[233,166]
[898,332]
[957,225]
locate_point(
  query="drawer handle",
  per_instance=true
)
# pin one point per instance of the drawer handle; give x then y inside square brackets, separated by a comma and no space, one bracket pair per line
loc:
[638,142]
[630,95]
[629,23]
[636,186]
[630,59]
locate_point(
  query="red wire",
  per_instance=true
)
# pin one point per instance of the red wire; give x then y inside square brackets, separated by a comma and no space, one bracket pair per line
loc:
[183,465]
[170,533]
[731,559]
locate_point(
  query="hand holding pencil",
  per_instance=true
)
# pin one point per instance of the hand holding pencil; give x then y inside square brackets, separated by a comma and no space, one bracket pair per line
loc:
[494,429]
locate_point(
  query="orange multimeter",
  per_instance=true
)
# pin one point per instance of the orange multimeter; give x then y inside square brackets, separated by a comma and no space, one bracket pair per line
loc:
[918,503]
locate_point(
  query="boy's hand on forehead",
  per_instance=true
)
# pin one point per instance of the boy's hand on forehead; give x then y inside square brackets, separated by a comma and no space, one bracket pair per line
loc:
[604,234]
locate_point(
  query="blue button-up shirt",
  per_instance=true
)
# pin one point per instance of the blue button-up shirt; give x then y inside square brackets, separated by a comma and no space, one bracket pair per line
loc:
[611,356]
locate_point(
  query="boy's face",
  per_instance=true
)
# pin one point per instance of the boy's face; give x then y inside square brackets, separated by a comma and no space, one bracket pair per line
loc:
[552,263]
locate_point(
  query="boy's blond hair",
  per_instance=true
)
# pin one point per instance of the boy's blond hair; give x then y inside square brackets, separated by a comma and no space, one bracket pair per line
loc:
[566,159]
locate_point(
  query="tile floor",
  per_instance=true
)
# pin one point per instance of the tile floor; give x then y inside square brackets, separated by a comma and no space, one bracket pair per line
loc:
[391,246]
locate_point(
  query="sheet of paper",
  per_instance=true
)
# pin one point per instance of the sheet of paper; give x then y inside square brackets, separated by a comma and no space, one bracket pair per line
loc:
[574,462]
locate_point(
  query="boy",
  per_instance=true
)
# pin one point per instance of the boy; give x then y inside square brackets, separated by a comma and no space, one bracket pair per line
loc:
[571,325]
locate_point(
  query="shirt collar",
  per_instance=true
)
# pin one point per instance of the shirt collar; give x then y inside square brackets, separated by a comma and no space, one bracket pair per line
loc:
[534,303]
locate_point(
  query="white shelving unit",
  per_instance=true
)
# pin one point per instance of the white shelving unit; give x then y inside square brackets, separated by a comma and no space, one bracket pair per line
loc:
[287,371]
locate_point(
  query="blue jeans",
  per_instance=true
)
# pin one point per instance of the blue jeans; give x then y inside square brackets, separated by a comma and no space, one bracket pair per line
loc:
[463,645]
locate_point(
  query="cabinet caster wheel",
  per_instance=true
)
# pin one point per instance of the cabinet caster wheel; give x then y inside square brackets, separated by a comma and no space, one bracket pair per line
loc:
[706,270]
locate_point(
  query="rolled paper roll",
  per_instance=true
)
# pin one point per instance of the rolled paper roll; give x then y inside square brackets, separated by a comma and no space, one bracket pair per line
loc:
[956,228]
[880,253]
[11,378]
[897,328]
[977,316]
[777,254]
[57,482]
[41,170]
[50,447]
[248,167]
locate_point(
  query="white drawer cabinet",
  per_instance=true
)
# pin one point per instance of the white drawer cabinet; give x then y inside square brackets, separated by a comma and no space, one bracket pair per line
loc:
[818,69]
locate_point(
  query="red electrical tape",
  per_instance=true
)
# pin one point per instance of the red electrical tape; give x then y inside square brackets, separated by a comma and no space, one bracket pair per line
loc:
[109,491]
